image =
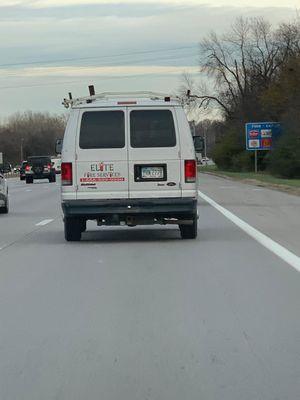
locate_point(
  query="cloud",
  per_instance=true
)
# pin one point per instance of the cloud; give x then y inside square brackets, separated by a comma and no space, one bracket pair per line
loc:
[213,3]
[115,33]
[176,3]
[92,71]
[11,3]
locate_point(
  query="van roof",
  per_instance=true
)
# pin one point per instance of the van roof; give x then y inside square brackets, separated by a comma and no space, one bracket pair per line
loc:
[131,99]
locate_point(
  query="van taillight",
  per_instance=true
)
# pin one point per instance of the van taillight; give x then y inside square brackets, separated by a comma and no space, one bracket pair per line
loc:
[190,171]
[66,174]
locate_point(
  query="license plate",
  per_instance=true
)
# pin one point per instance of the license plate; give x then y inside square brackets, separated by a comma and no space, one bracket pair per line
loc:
[152,173]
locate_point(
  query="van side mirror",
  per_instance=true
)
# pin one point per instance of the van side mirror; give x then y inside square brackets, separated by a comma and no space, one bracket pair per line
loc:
[198,143]
[58,146]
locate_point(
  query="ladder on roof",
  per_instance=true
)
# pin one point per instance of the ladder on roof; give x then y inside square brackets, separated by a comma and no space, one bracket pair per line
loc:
[112,95]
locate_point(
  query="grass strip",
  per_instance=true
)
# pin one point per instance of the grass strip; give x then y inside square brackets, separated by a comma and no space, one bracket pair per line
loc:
[260,179]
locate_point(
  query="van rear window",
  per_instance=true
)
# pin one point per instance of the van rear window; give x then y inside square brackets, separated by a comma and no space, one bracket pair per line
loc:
[152,128]
[102,130]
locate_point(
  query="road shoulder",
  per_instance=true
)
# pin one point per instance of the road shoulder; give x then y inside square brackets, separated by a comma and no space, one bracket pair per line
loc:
[255,182]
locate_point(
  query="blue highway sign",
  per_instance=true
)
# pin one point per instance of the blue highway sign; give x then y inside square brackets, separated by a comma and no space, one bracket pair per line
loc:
[262,135]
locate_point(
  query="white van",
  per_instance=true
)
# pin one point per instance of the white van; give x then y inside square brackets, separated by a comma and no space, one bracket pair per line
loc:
[128,159]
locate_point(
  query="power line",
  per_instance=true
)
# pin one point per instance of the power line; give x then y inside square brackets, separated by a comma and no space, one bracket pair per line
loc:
[124,63]
[107,77]
[97,57]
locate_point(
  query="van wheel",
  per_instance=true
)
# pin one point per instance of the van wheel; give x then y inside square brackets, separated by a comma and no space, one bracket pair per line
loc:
[29,179]
[72,229]
[83,225]
[189,231]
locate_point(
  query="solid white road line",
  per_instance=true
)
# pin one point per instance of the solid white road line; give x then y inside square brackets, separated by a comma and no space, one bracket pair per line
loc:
[44,222]
[260,237]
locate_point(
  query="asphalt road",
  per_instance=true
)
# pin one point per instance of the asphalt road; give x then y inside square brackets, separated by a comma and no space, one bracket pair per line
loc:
[138,313]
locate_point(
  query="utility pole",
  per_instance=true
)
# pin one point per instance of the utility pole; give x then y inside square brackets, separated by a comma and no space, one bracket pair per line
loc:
[194,127]
[205,152]
[21,150]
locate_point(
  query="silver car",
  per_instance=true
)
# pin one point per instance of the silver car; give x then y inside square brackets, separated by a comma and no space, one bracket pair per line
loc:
[3,195]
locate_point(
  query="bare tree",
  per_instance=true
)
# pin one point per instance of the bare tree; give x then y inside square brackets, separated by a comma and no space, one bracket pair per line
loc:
[35,131]
[242,63]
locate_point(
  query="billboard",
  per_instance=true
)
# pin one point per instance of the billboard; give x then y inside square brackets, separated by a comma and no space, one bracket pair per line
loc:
[262,135]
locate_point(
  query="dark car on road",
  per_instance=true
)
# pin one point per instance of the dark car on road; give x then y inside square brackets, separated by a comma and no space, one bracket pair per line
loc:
[39,167]
[22,170]
[5,168]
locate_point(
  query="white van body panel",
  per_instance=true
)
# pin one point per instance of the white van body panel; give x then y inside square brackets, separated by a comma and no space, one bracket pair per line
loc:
[168,156]
[102,173]
[120,162]
[68,153]
[187,153]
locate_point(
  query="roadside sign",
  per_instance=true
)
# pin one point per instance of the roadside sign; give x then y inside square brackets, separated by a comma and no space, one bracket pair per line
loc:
[261,135]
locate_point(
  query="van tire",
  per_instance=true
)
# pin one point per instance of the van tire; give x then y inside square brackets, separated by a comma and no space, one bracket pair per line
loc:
[72,228]
[189,231]
[83,225]
[29,179]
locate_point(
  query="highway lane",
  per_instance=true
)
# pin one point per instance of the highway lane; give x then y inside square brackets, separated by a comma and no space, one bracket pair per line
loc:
[275,213]
[29,205]
[140,314]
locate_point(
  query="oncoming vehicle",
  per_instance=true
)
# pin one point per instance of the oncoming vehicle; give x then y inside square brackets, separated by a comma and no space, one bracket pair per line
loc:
[4,204]
[205,159]
[39,167]
[128,159]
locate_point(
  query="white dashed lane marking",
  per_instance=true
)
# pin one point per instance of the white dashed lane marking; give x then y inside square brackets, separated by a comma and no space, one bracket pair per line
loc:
[44,222]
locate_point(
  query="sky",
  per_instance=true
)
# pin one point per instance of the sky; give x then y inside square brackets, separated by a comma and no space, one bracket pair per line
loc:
[51,47]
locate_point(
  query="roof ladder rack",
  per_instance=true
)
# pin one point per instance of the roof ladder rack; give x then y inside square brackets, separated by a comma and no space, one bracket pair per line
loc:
[70,102]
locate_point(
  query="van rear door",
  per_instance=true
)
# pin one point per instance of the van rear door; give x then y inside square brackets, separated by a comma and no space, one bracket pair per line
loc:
[101,152]
[153,153]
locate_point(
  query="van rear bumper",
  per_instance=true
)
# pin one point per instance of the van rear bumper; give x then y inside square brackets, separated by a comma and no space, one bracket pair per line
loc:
[94,209]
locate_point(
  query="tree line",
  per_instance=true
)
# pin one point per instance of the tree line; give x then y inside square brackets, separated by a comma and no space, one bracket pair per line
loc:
[28,134]
[253,75]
